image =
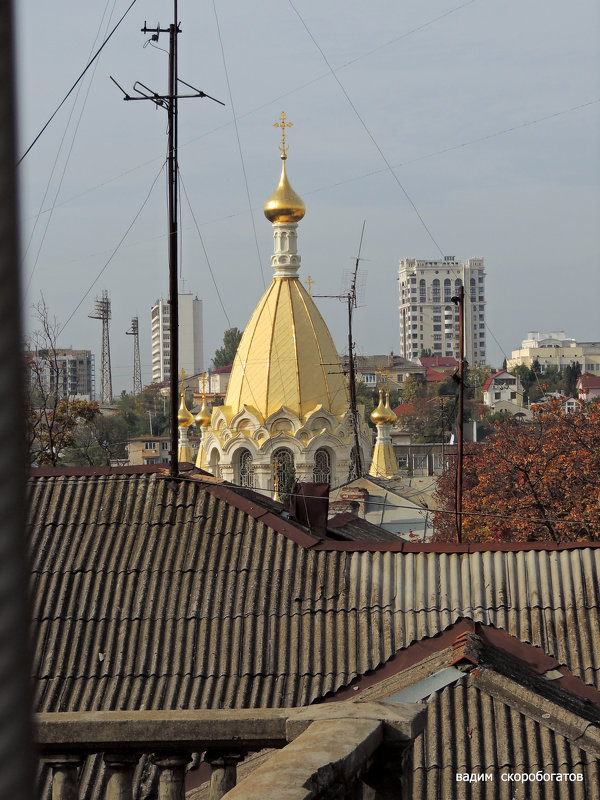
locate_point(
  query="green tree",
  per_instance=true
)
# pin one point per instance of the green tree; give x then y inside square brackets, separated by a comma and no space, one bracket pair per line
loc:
[224,356]
[571,373]
[99,441]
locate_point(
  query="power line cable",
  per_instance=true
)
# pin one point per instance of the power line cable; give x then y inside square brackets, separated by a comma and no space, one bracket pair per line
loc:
[114,252]
[210,269]
[67,159]
[89,64]
[241,152]
[368,132]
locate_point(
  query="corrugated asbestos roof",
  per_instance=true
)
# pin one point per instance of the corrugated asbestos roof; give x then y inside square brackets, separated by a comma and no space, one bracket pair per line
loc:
[147,597]
[494,739]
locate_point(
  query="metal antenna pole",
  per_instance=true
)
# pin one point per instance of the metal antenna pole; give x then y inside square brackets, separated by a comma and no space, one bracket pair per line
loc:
[172,212]
[460,301]
[137,368]
[357,460]
[169,102]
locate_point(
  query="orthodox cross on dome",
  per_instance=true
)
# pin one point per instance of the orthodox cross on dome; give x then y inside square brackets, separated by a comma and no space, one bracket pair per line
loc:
[283,125]
[310,282]
[183,377]
[384,377]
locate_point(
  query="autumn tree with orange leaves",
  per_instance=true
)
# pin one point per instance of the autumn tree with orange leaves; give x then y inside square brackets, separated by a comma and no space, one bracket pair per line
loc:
[530,481]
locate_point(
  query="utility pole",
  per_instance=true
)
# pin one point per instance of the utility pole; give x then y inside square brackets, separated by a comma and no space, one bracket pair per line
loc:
[169,102]
[356,468]
[460,302]
[137,367]
[102,312]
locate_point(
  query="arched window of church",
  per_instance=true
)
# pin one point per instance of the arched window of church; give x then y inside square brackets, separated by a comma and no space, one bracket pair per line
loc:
[214,466]
[322,468]
[283,467]
[246,469]
[447,290]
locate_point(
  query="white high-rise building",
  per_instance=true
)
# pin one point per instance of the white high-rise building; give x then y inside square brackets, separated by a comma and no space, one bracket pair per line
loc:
[429,318]
[190,337]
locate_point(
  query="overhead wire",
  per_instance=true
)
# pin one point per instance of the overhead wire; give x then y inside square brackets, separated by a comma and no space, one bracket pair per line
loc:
[276,360]
[67,159]
[114,252]
[367,130]
[210,269]
[68,94]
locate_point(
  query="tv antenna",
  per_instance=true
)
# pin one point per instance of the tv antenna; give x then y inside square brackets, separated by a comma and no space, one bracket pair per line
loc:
[350,297]
[169,103]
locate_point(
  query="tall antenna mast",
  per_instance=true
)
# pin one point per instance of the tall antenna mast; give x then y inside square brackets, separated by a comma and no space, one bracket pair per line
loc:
[356,466]
[169,102]
[137,367]
[459,301]
[102,312]
[356,460]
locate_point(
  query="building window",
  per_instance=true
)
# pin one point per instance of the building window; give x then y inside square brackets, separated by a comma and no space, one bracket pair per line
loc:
[420,463]
[403,462]
[283,467]
[322,468]
[422,290]
[149,445]
[447,290]
[246,471]
[369,378]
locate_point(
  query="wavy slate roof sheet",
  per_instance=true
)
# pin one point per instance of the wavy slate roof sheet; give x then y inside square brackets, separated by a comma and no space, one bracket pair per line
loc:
[147,597]
[143,597]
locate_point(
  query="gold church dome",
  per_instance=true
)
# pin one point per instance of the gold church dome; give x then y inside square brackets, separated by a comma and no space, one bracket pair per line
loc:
[379,415]
[203,416]
[286,357]
[184,417]
[284,205]
[383,414]
[391,416]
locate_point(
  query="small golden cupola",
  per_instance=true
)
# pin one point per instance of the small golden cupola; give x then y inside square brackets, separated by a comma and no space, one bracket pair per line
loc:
[383,463]
[379,415]
[184,419]
[284,205]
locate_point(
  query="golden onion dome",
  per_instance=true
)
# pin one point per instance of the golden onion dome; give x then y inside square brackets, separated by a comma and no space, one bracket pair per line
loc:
[184,417]
[284,205]
[379,415]
[203,416]
[391,416]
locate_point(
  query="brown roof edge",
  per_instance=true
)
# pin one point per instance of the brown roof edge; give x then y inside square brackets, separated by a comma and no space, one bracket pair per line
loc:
[404,659]
[285,526]
[131,469]
[466,638]
[447,547]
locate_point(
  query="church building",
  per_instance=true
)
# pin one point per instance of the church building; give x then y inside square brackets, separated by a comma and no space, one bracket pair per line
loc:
[286,413]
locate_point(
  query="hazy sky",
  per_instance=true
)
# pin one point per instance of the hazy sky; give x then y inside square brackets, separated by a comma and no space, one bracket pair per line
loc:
[450,128]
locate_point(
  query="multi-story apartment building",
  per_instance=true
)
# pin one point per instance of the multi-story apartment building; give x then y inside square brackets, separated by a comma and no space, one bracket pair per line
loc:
[190,337]
[555,349]
[429,318]
[67,372]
